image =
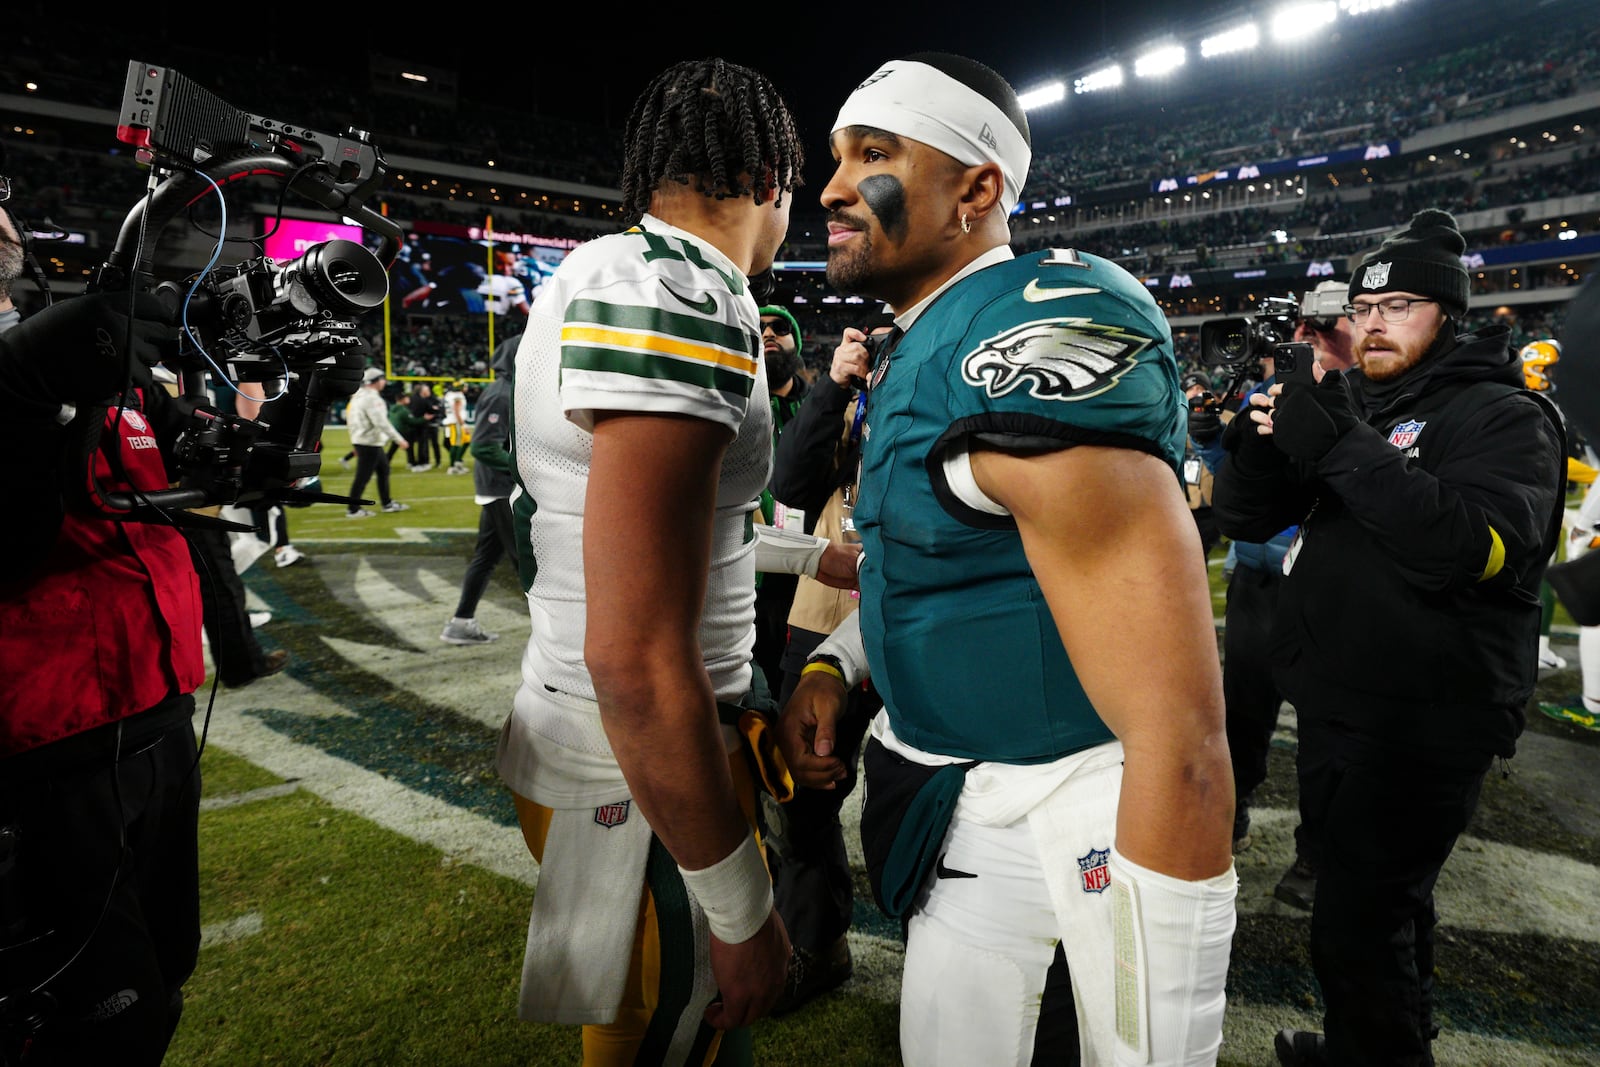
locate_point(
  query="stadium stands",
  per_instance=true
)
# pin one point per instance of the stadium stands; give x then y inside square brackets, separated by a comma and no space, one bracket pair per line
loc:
[1216,203]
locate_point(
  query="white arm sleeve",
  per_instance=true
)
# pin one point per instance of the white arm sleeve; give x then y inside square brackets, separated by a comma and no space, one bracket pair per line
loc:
[781,551]
[844,644]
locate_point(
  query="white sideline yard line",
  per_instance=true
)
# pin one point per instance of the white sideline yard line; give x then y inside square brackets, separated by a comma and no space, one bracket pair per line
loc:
[235,929]
[461,836]
[266,792]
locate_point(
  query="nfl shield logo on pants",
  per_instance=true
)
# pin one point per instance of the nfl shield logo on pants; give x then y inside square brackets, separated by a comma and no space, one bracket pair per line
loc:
[1095,869]
[609,815]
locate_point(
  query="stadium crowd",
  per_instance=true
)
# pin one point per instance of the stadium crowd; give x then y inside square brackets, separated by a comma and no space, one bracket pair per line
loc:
[1345,218]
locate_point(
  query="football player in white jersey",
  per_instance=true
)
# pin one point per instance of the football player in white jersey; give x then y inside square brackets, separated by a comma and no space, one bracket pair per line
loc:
[643,440]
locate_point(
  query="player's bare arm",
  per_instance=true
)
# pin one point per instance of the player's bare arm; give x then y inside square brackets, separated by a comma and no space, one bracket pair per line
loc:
[645,596]
[1108,534]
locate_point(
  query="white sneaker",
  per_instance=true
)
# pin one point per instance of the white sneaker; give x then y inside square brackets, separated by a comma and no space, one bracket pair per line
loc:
[417,467]
[360,513]
[288,555]
[259,618]
[466,632]
[1549,661]
[395,505]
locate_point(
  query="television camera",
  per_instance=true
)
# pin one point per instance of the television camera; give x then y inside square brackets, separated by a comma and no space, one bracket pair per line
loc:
[1242,341]
[288,325]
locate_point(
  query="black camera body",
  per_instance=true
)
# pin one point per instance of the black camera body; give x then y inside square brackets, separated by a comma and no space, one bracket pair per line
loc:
[1249,338]
[291,326]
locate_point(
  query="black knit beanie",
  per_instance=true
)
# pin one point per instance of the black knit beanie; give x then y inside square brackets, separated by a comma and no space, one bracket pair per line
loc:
[1423,258]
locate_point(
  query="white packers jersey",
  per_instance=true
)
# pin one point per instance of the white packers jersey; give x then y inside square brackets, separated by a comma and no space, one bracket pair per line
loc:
[455,401]
[650,320]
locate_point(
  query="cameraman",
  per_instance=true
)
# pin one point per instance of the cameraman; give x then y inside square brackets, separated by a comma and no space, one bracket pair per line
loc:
[1429,496]
[99,789]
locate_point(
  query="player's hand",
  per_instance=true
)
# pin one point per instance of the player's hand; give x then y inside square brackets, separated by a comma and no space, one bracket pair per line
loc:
[850,359]
[750,975]
[840,565]
[808,728]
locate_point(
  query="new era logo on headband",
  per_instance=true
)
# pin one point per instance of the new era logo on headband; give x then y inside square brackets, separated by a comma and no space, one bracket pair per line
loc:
[1377,276]
[986,135]
[876,77]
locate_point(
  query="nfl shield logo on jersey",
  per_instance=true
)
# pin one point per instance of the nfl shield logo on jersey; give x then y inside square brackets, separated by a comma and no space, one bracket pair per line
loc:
[609,815]
[1377,276]
[1405,434]
[1095,869]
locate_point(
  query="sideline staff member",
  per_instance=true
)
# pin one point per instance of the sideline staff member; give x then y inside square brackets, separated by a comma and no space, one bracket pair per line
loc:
[1429,496]
[100,652]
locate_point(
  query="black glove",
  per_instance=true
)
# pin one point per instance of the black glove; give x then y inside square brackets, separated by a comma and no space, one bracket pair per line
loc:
[72,351]
[1205,422]
[1308,420]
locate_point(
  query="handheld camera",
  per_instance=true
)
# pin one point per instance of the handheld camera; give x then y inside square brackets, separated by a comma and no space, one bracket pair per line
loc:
[291,325]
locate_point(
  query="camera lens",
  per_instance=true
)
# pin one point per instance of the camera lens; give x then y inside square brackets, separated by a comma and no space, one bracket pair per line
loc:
[1234,344]
[342,275]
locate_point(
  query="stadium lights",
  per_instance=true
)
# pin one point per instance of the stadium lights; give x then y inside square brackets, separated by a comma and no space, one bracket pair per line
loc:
[1104,78]
[1053,93]
[1159,61]
[1364,7]
[1294,21]
[1239,39]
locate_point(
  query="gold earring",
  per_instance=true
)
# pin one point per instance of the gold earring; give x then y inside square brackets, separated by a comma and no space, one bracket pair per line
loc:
[966,227]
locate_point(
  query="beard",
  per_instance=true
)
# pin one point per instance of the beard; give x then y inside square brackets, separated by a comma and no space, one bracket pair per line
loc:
[782,364]
[1382,359]
[10,265]
[850,269]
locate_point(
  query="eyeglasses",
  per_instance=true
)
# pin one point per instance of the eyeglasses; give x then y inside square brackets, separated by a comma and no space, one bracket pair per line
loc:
[779,327]
[5,188]
[1396,310]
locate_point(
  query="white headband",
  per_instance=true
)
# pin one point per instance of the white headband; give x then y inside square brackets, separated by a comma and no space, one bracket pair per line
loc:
[925,104]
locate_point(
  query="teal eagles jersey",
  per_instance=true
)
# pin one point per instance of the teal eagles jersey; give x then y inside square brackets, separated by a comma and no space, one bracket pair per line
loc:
[1053,349]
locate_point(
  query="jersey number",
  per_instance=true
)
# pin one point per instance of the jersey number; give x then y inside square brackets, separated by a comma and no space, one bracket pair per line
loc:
[660,249]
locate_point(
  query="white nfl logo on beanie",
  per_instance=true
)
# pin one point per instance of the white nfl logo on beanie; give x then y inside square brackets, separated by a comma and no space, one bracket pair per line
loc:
[1377,276]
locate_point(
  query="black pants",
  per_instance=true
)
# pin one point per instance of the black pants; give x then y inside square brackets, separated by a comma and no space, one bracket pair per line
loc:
[1206,522]
[496,541]
[105,859]
[774,598]
[421,438]
[370,461]
[1249,693]
[1384,820]
[238,656]
[811,883]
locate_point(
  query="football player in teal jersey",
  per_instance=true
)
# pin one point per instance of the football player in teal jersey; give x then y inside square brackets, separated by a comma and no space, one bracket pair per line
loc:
[1049,802]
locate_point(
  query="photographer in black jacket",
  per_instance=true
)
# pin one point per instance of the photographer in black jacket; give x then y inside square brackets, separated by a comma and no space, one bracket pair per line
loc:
[1428,493]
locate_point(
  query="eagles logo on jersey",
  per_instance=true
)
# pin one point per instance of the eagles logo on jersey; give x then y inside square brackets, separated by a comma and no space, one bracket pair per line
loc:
[1056,359]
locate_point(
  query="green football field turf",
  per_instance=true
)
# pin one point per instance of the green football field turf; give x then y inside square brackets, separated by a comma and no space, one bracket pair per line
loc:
[366,891]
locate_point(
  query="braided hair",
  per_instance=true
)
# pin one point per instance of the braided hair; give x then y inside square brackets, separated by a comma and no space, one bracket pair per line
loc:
[715,122]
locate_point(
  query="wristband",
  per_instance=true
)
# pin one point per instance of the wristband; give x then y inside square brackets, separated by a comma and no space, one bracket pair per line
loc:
[843,647]
[825,665]
[781,551]
[735,893]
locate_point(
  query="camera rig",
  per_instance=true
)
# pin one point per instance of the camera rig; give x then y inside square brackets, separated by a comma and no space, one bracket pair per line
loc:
[291,326]
[1241,341]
